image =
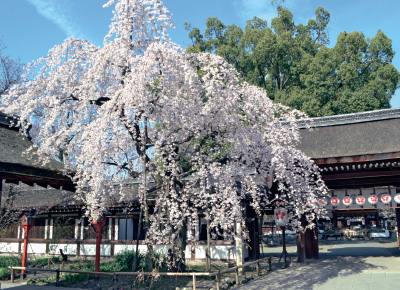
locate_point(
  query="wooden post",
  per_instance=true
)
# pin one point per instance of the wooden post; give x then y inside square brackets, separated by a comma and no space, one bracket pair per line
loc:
[194,282]
[258,268]
[218,279]
[12,275]
[58,277]
[115,282]
[239,247]
[237,276]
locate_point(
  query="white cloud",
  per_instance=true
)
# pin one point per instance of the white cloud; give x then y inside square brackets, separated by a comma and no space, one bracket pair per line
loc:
[247,9]
[302,9]
[56,13]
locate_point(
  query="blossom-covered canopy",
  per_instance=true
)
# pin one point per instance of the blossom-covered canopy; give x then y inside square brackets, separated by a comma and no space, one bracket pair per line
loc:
[183,123]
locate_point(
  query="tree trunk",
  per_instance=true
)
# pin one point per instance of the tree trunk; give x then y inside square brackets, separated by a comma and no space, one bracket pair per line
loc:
[208,250]
[176,256]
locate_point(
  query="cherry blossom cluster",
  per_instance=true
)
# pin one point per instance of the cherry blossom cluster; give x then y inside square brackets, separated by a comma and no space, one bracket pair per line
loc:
[196,135]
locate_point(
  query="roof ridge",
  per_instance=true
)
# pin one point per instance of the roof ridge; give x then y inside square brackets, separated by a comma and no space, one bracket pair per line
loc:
[352,118]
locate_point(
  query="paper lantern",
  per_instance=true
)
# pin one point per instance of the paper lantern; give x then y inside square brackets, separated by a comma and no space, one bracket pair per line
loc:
[347,201]
[322,202]
[386,199]
[335,201]
[360,200]
[397,198]
[372,199]
[281,217]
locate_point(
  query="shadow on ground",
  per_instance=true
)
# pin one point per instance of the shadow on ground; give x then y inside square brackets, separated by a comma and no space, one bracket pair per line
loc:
[312,274]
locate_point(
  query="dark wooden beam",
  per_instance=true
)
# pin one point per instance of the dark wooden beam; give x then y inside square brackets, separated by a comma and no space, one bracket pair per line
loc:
[362,182]
[42,181]
[360,174]
[393,156]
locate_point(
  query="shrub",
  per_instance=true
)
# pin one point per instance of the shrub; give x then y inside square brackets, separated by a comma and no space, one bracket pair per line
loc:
[5,262]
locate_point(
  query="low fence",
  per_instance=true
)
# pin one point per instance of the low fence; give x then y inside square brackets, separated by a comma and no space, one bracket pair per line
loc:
[216,274]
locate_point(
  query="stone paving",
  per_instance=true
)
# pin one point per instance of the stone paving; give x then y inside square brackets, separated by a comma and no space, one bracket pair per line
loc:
[344,265]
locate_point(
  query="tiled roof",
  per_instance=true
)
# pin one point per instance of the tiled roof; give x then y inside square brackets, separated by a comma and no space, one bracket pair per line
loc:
[374,132]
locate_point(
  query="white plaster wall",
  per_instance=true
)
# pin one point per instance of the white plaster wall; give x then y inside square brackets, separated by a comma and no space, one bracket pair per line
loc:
[68,249]
[34,248]
[90,250]
[122,248]
[219,252]
[8,247]
[200,252]
[161,249]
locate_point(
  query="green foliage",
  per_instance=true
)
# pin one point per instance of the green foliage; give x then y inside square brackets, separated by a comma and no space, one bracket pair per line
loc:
[44,261]
[5,262]
[72,278]
[294,65]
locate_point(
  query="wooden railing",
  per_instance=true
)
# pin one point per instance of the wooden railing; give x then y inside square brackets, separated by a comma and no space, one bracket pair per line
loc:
[216,274]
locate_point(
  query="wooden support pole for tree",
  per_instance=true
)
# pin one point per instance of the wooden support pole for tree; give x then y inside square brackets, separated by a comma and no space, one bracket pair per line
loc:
[12,275]
[218,278]
[258,268]
[239,248]
[194,282]
[237,276]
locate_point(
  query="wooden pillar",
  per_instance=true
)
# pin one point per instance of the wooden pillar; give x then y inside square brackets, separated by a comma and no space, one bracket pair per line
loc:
[301,240]
[334,218]
[260,234]
[398,226]
[311,243]
[112,244]
[377,219]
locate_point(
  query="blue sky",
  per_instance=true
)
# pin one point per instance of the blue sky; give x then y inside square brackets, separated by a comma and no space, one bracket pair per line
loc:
[31,27]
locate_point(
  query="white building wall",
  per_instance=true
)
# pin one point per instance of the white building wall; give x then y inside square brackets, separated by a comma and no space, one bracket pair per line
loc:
[90,250]
[9,247]
[36,248]
[68,249]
